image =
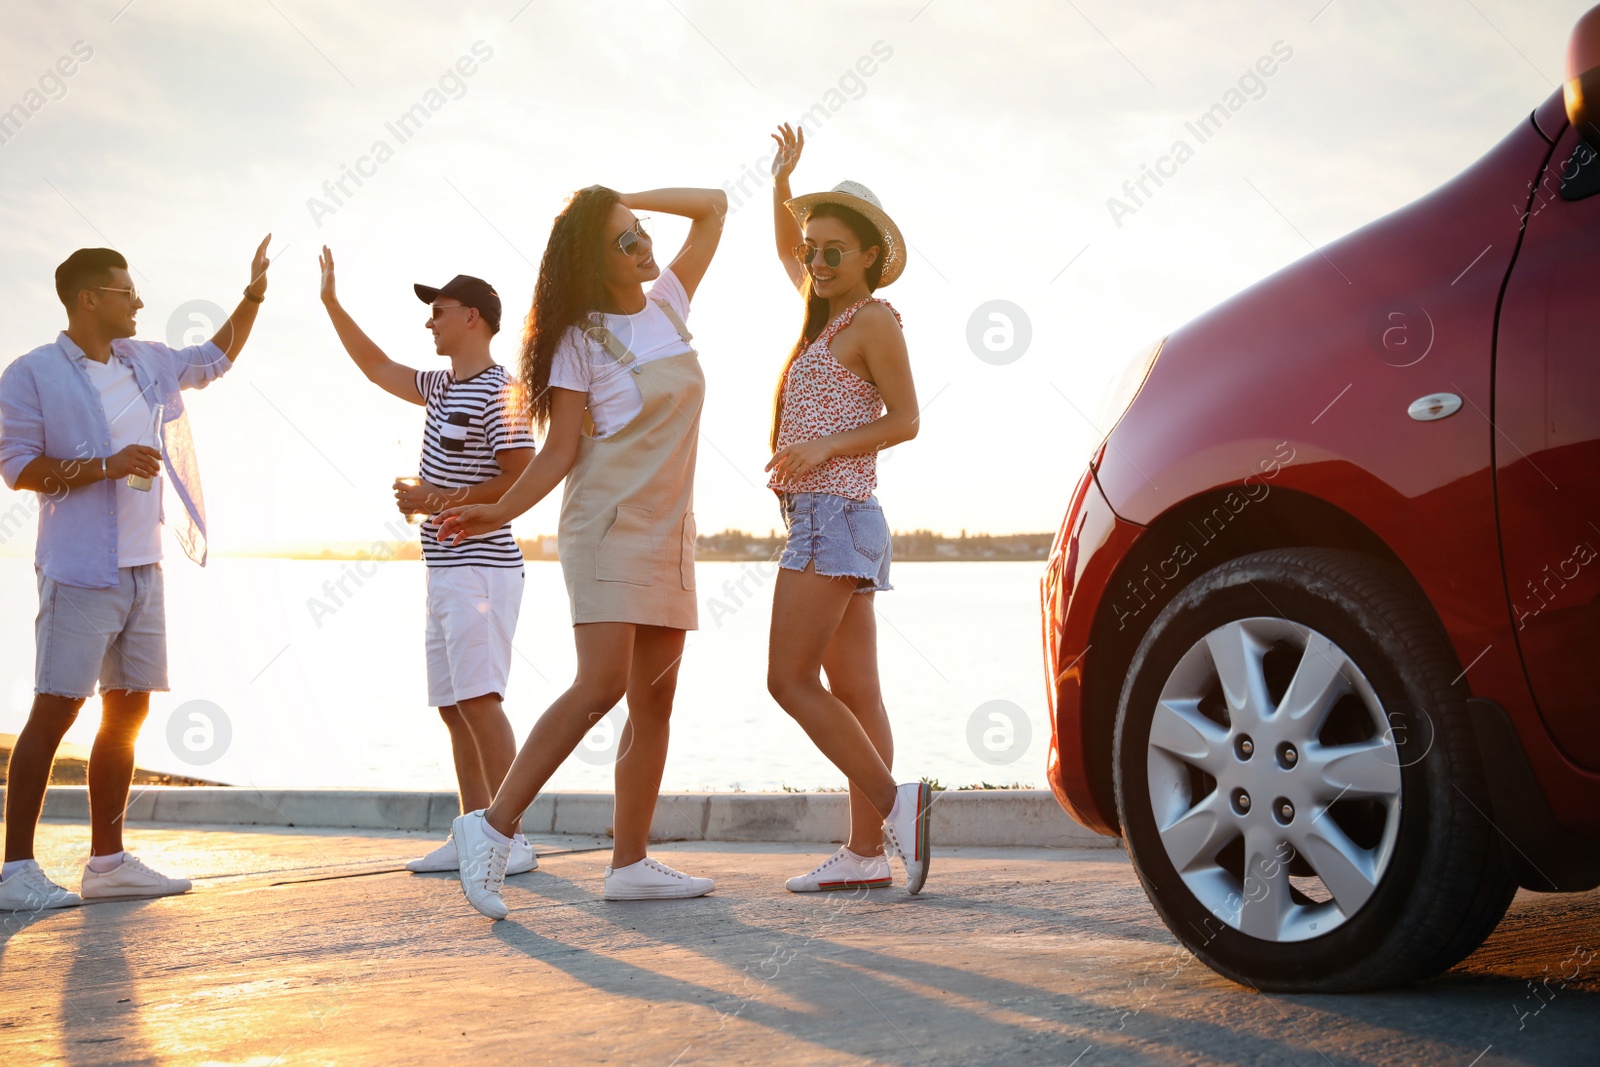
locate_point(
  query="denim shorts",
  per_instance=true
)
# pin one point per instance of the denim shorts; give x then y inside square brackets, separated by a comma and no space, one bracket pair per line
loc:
[844,538]
[116,637]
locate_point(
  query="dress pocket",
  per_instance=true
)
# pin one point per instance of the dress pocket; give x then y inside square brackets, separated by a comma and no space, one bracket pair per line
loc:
[686,554]
[626,552]
[869,532]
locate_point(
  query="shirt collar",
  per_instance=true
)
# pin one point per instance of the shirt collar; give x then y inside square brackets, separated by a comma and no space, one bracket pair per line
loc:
[77,355]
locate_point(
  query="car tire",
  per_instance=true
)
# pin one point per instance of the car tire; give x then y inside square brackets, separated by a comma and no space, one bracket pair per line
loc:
[1317,822]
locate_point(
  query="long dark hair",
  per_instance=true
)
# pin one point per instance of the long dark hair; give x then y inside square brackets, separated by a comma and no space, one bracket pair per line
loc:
[571,284]
[867,236]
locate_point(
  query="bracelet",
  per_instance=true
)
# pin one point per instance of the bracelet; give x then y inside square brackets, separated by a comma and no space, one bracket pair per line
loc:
[252,299]
[105,473]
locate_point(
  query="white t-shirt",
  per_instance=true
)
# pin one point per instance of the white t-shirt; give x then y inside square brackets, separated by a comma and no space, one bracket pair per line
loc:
[138,513]
[585,366]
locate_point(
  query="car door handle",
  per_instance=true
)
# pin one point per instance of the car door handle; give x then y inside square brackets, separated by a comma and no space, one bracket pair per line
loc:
[1434,406]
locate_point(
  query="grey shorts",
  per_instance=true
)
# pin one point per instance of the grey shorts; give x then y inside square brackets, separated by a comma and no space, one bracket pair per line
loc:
[842,537]
[116,637]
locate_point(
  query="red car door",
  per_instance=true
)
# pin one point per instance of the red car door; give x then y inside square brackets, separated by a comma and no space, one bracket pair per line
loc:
[1547,455]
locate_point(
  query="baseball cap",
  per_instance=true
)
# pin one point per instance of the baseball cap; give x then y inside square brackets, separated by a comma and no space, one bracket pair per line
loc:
[473,292]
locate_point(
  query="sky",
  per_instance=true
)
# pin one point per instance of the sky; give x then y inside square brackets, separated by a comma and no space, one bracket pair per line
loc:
[999,136]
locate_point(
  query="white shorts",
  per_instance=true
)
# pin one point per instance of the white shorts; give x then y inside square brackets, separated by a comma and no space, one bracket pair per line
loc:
[472,617]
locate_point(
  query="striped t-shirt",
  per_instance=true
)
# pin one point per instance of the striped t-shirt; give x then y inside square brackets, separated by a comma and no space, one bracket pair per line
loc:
[468,422]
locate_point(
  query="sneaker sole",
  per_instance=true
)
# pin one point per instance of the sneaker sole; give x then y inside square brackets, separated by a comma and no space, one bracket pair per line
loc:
[834,887]
[656,894]
[433,869]
[135,894]
[916,879]
[41,909]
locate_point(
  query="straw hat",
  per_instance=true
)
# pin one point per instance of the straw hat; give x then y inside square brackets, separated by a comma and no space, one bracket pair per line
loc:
[860,199]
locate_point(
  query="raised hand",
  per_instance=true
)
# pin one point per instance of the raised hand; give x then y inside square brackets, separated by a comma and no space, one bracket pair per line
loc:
[258,270]
[791,143]
[325,261]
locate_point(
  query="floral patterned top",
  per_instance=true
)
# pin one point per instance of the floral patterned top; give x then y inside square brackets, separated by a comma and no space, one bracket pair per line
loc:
[820,398]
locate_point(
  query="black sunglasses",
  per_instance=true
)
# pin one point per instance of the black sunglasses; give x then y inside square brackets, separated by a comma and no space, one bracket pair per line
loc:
[806,254]
[628,240]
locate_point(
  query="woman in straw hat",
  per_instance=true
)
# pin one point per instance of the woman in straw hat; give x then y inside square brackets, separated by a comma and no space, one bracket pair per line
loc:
[845,393]
[617,388]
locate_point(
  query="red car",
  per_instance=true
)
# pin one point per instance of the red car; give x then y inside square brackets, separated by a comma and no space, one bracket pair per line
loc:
[1317,620]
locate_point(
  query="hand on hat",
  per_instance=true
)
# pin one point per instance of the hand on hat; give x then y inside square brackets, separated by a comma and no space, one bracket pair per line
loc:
[791,143]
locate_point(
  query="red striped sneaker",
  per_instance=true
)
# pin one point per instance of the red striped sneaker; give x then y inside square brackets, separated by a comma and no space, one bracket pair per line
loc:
[844,870]
[905,832]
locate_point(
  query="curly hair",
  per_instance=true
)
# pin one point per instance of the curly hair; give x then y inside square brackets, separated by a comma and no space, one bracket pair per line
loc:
[571,284]
[867,236]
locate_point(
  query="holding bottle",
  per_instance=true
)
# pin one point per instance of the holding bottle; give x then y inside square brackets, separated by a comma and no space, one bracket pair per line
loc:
[152,439]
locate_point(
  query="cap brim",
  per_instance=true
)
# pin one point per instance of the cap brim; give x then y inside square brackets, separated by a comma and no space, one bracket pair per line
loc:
[426,293]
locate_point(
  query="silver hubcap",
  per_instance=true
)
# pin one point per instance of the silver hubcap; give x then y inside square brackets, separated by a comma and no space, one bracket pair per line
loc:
[1274,779]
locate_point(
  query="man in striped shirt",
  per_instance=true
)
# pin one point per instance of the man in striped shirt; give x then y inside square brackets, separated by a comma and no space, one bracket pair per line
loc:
[476,441]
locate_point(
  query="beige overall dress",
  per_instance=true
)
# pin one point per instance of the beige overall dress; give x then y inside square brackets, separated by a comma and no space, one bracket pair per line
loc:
[627,530]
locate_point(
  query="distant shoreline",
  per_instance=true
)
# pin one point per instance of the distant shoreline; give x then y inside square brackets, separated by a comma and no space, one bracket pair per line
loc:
[71,767]
[730,546]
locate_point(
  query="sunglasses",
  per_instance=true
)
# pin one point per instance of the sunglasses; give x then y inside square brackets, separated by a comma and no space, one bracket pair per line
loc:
[807,254]
[131,291]
[628,240]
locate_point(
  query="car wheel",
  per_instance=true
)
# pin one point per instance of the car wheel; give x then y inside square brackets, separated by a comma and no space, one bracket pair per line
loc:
[1297,778]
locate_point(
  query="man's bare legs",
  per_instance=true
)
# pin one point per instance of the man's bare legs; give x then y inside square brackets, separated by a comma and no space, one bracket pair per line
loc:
[28,774]
[110,768]
[851,665]
[808,610]
[122,713]
[482,745]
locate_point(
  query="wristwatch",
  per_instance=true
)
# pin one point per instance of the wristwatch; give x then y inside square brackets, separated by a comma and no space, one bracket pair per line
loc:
[252,299]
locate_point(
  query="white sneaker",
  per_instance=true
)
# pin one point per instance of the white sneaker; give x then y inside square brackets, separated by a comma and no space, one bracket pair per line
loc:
[523,857]
[443,858]
[905,831]
[483,864]
[446,858]
[844,870]
[130,878]
[649,880]
[30,889]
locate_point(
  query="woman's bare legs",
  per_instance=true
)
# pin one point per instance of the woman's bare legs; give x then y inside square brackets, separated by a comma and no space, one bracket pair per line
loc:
[642,749]
[851,664]
[605,653]
[807,611]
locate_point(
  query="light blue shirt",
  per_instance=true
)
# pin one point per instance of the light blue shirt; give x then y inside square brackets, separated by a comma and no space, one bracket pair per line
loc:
[49,407]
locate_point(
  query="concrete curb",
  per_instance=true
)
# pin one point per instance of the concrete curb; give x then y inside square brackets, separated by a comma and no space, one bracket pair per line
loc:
[1020,818]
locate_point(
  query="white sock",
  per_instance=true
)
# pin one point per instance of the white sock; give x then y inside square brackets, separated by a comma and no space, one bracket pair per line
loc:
[12,867]
[105,864]
[495,835]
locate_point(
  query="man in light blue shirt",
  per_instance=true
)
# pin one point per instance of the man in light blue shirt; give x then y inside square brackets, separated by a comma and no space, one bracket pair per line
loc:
[88,423]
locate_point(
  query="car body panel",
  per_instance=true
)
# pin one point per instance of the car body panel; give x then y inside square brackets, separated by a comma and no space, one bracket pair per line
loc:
[1320,362]
[1547,410]
[1091,542]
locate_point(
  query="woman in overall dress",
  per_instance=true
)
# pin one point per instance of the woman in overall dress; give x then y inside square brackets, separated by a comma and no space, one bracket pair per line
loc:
[617,388]
[845,393]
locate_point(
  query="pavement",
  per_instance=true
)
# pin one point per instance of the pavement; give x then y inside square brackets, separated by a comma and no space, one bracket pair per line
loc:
[315,946]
